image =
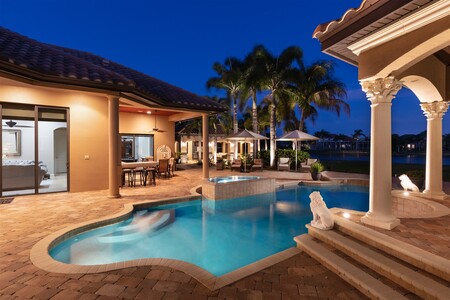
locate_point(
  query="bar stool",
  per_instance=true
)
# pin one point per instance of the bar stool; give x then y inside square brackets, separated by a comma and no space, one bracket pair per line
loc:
[129,175]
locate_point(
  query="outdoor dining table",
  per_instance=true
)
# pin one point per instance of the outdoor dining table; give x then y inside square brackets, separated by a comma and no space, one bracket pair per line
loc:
[148,166]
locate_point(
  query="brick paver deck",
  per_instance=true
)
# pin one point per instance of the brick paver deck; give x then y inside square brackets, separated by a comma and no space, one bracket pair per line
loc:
[30,218]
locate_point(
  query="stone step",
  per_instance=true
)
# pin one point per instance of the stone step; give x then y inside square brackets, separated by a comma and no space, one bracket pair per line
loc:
[416,282]
[413,255]
[362,281]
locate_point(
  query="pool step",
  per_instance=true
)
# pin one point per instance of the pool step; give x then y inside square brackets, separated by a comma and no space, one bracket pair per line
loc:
[366,284]
[413,255]
[407,276]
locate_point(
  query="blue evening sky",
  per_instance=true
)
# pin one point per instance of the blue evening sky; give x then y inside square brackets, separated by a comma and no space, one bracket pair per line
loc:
[178,41]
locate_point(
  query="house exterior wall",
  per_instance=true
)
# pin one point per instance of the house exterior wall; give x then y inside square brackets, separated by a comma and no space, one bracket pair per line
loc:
[86,112]
[88,121]
[143,123]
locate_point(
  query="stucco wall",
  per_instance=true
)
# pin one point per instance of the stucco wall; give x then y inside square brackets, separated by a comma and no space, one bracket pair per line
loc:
[88,129]
[143,123]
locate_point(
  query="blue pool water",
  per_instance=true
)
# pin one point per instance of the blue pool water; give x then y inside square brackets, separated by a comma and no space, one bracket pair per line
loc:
[226,179]
[219,236]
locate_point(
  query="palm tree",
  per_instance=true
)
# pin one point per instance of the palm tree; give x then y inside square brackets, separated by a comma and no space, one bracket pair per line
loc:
[317,88]
[276,72]
[230,78]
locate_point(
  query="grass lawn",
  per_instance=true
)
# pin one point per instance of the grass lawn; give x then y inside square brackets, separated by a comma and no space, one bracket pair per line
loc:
[363,167]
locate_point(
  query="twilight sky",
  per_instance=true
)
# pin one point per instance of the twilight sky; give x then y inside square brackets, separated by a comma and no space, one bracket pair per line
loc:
[178,41]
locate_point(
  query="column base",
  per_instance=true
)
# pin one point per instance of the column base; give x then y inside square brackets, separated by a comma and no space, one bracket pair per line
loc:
[435,195]
[383,224]
[115,196]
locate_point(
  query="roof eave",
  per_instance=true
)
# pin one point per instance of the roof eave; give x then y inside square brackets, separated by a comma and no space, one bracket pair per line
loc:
[35,78]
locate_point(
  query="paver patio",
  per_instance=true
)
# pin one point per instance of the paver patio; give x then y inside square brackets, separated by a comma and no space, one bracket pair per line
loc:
[30,218]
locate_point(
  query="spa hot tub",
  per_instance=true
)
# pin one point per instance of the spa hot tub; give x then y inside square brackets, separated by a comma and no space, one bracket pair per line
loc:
[219,188]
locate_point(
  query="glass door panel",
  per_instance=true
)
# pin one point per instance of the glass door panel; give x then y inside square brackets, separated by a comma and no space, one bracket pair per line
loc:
[52,133]
[18,149]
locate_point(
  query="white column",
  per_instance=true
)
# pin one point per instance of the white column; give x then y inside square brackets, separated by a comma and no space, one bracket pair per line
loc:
[205,125]
[215,149]
[380,93]
[434,111]
[113,138]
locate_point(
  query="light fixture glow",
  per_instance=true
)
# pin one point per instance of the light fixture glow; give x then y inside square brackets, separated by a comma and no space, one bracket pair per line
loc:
[149,112]
[346,215]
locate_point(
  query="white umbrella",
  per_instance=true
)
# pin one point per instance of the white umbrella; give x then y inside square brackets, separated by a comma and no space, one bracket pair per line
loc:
[246,135]
[297,136]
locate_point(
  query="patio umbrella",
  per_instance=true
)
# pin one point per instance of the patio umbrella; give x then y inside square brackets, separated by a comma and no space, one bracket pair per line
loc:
[297,136]
[246,135]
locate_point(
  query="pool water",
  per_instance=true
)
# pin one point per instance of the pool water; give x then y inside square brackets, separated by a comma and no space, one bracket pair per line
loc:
[219,236]
[226,179]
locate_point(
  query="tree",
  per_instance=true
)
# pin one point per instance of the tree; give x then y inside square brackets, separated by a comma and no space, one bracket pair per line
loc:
[276,73]
[230,79]
[357,134]
[317,88]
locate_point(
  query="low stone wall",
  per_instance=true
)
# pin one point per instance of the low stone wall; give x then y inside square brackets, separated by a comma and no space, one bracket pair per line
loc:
[220,191]
[413,206]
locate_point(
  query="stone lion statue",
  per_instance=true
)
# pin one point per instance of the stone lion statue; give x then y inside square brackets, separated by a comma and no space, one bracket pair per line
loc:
[407,183]
[322,218]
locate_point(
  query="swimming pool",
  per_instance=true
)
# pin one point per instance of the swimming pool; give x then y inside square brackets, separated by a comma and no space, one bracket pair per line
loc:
[218,236]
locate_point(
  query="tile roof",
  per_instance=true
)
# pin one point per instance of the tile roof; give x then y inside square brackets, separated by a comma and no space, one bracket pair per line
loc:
[63,65]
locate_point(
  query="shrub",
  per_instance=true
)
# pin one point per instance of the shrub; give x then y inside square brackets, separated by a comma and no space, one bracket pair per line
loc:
[265,156]
[317,167]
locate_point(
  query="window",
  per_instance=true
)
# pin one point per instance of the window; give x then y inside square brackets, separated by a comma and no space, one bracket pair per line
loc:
[135,147]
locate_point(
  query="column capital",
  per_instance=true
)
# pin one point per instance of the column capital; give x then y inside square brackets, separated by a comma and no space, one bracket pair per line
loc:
[433,110]
[381,90]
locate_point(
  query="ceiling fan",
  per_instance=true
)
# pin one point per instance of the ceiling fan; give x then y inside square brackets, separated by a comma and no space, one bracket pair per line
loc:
[12,124]
[156,129]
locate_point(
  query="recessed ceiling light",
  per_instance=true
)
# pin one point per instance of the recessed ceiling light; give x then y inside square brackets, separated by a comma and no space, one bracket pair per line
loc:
[140,111]
[149,112]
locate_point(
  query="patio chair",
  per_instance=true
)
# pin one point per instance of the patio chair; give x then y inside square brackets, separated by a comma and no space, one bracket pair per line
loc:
[306,166]
[236,165]
[284,163]
[257,164]
[163,168]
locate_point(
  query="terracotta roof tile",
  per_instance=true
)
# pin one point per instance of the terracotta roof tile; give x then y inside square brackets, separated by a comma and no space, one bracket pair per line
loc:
[81,67]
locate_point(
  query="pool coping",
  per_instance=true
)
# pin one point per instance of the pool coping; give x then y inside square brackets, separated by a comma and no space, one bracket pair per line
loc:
[40,257]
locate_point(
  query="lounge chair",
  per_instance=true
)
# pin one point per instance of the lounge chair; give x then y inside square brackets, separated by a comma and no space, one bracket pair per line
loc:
[306,166]
[284,163]
[236,164]
[257,164]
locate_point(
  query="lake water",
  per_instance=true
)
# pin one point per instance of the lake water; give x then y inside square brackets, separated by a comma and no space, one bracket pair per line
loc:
[396,159]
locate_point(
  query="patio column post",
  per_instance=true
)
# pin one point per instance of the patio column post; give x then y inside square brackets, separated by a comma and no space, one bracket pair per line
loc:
[380,93]
[113,138]
[434,111]
[205,165]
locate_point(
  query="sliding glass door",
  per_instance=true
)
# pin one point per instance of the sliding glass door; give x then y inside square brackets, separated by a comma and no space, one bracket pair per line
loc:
[34,144]
[52,140]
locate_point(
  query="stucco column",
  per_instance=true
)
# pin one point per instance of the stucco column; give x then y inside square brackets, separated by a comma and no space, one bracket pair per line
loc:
[113,138]
[434,111]
[380,93]
[205,125]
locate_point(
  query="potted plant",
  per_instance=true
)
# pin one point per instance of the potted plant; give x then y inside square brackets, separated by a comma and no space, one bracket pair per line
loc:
[316,169]
[178,157]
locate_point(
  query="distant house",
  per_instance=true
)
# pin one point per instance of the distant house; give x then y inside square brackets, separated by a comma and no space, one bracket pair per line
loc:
[68,117]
